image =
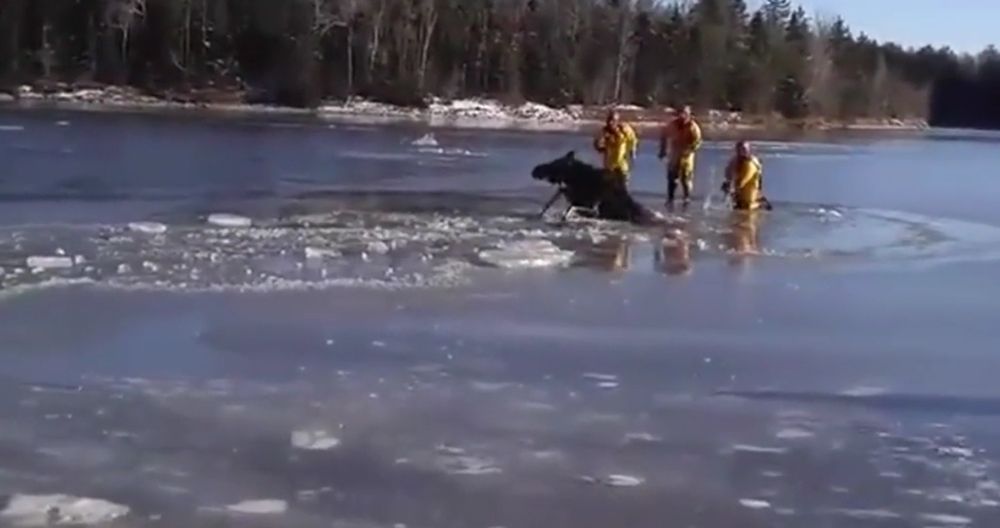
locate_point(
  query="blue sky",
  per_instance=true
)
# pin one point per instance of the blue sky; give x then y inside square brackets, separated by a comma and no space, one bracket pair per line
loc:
[964,25]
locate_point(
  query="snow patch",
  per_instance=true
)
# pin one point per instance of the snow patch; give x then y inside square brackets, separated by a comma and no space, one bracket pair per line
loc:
[471,112]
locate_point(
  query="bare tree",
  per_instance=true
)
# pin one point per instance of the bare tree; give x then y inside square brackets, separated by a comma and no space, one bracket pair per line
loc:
[878,101]
[121,15]
[624,45]
[821,90]
[428,23]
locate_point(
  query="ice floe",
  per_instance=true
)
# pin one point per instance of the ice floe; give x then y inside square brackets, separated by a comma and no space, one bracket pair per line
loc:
[761,450]
[426,140]
[314,440]
[616,480]
[47,262]
[259,507]
[56,510]
[229,220]
[526,254]
[794,434]
[755,504]
[150,228]
[946,519]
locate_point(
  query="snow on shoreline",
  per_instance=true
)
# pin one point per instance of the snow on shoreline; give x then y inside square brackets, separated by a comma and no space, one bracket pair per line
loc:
[466,113]
[480,113]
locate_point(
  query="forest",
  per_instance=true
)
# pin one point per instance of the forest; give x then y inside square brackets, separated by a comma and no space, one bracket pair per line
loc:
[714,54]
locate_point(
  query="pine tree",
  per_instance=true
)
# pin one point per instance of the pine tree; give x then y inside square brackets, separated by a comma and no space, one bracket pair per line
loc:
[712,52]
[777,12]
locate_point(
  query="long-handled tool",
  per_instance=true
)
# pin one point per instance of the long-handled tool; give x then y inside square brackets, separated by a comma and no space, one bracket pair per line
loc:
[558,193]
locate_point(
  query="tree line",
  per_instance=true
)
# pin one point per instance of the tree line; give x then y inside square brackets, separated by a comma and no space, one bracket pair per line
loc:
[718,54]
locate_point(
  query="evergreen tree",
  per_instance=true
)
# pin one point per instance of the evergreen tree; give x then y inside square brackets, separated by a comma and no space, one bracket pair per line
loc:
[711,52]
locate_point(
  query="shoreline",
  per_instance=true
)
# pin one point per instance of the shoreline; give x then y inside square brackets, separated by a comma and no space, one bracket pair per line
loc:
[479,113]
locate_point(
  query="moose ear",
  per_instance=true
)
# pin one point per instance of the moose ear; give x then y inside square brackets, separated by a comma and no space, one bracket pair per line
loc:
[571,155]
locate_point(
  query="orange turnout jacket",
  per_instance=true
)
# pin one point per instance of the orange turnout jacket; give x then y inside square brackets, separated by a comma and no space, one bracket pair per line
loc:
[683,140]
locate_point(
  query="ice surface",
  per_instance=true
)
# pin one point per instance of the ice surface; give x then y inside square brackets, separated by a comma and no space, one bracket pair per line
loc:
[359,249]
[59,510]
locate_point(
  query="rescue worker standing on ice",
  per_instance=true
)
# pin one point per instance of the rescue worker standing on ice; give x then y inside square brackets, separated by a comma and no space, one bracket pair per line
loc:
[617,143]
[680,139]
[744,179]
